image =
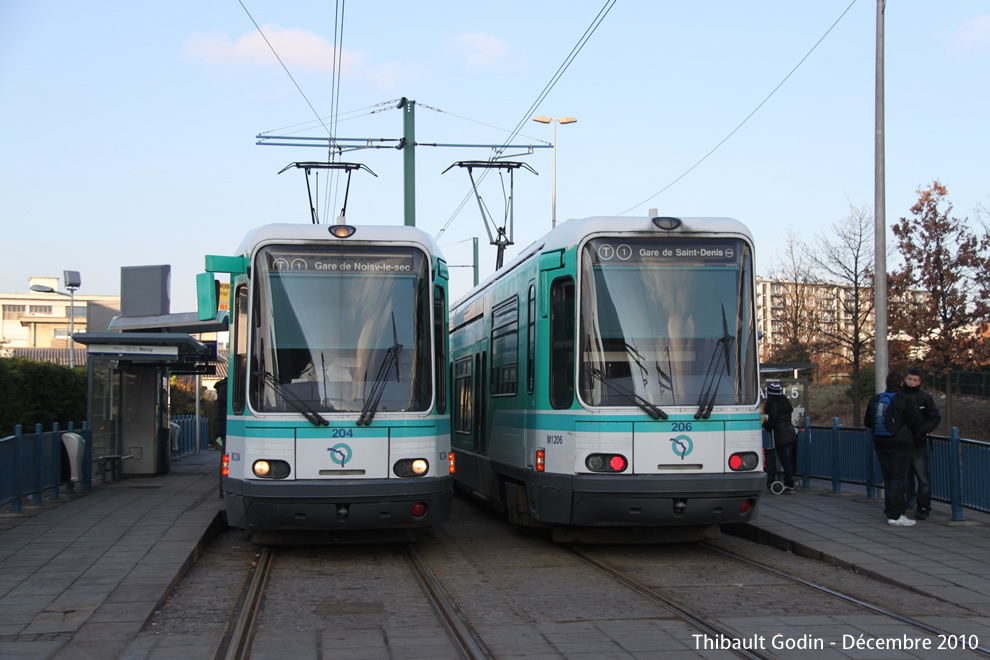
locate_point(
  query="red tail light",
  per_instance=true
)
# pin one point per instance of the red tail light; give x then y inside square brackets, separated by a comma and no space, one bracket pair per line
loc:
[541,457]
[225,466]
[450,459]
[418,509]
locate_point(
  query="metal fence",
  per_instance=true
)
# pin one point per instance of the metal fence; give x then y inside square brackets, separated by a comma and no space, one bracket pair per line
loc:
[968,383]
[33,463]
[186,442]
[845,455]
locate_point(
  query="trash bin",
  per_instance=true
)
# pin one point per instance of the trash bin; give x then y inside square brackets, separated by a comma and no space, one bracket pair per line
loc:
[75,448]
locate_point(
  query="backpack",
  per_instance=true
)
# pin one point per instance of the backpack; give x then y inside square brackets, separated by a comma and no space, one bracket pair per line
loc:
[886,416]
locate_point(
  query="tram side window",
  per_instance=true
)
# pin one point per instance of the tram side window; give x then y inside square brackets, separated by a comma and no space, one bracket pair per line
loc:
[531,340]
[440,347]
[505,347]
[236,382]
[562,342]
[463,396]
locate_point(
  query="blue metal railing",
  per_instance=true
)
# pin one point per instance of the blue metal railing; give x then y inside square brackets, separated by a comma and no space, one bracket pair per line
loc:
[187,434]
[845,455]
[32,463]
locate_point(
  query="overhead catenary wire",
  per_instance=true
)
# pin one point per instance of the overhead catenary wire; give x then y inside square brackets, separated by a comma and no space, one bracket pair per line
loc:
[338,47]
[588,33]
[341,116]
[287,72]
[740,125]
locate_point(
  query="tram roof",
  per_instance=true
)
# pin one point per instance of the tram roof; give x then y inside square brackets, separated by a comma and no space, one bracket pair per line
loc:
[321,233]
[573,232]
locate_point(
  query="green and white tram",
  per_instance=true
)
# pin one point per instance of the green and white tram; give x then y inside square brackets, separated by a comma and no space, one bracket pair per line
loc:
[608,378]
[337,397]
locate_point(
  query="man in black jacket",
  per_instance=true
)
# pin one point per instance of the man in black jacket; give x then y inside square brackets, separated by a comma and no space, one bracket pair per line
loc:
[894,451]
[930,419]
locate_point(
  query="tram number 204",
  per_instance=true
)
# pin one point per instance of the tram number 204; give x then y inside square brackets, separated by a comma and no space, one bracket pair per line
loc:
[341,433]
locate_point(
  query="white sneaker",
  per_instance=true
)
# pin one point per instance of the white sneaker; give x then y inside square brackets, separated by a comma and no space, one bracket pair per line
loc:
[903,521]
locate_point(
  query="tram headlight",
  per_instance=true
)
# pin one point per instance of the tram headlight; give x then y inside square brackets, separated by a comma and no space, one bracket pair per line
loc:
[342,231]
[271,469]
[668,224]
[411,467]
[744,461]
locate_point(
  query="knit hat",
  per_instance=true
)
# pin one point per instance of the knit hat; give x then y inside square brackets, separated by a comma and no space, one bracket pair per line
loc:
[774,389]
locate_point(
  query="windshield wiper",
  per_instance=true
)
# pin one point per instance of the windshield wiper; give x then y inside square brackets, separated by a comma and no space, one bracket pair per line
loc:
[391,358]
[645,405]
[706,402]
[298,404]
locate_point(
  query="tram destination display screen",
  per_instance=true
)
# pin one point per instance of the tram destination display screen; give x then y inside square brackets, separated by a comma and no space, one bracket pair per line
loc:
[714,252]
[364,263]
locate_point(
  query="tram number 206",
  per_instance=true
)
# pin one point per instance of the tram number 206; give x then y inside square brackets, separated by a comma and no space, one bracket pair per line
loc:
[555,439]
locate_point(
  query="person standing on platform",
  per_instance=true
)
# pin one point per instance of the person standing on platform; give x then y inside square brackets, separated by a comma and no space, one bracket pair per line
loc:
[930,419]
[778,411]
[893,420]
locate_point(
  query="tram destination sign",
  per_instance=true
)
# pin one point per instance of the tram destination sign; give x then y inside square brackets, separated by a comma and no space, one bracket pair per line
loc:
[646,252]
[357,263]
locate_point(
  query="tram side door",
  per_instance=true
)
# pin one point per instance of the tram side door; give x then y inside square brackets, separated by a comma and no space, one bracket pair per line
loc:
[481,403]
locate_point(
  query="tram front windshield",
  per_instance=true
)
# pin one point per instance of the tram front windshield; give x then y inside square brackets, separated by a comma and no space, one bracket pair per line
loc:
[668,321]
[335,325]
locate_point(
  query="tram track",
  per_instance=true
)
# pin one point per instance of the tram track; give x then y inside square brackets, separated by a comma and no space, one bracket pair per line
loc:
[236,643]
[467,639]
[870,607]
[238,640]
[698,621]
[713,629]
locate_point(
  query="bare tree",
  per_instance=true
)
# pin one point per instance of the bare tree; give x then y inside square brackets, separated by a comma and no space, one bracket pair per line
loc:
[845,255]
[793,313]
[936,301]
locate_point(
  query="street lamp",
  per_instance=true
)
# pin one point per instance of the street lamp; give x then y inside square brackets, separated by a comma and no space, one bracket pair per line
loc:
[72,282]
[561,120]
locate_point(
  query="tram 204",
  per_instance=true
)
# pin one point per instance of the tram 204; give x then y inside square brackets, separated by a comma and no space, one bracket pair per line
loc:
[337,388]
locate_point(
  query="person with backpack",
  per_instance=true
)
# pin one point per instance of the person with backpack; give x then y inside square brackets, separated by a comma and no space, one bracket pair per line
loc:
[893,421]
[778,412]
[930,419]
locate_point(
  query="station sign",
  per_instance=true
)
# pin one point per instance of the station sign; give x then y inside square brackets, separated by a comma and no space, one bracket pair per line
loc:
[132,349]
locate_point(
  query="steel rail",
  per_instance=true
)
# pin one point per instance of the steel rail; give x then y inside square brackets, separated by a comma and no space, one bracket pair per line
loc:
[468,641]
[237,643]
[696,620]
[876,609]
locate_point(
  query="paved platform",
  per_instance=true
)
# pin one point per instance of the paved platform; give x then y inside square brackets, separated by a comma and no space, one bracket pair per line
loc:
[80,578]
[937,556]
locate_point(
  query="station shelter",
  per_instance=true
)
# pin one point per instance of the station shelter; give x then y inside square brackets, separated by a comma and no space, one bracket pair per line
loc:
[129,367]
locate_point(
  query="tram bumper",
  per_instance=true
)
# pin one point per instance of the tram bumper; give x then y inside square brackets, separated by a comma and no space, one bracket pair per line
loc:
[342,505]
[673,500]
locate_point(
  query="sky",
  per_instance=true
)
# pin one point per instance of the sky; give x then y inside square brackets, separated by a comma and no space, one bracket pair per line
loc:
[130,127]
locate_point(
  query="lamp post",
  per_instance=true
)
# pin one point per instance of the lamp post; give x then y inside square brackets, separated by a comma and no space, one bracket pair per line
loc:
[561,120]
[72,282]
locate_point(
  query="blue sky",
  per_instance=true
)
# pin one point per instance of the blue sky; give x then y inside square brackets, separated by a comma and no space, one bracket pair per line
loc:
[130,127]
